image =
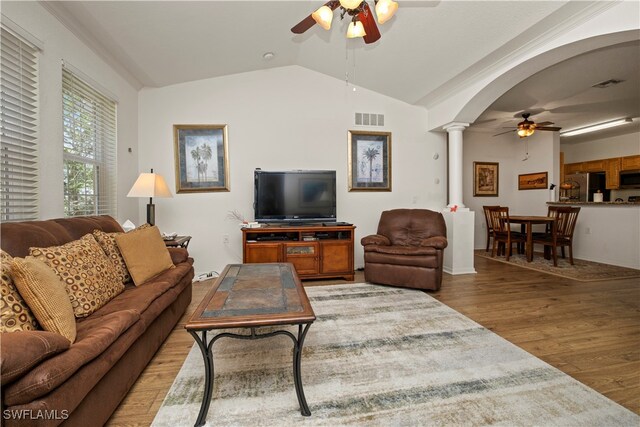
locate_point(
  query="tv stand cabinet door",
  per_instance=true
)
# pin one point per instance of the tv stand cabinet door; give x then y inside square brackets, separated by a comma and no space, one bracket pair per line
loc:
[262,252]
[337,258]
[303,256]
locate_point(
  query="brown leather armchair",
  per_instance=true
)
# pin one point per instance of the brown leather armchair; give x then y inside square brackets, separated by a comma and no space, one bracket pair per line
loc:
[408,249]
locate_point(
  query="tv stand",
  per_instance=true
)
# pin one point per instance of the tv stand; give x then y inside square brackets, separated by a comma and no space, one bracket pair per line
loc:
[317,251]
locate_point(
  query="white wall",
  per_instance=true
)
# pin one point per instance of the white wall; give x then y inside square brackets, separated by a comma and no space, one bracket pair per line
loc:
[281,119]
[603,148]
[509,150]
[60,44]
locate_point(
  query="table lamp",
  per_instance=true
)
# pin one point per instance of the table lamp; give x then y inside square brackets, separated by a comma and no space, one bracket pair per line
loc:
[150,185]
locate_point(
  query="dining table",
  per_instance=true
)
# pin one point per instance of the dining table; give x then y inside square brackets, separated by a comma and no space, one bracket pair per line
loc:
[527,222]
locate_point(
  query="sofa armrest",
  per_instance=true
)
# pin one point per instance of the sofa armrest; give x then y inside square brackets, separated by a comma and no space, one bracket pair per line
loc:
[438,242]
[375,239]
[20,351]
[178,255]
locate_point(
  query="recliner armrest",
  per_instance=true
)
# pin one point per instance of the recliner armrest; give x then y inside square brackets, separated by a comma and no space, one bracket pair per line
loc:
[438,242]
[375,239]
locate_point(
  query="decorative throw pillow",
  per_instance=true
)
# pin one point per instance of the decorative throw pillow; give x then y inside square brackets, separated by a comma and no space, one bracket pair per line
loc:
[108,244]
[88,274]
[145,253]
[15,315]
[45,294]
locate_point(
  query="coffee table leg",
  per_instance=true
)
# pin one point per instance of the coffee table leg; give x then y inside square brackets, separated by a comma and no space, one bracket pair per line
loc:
[205,349]
[297,358]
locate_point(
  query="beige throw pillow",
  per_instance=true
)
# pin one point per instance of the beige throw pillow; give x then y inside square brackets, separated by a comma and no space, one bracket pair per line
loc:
[145,253]
[88,274]
[45,294]
[15,314]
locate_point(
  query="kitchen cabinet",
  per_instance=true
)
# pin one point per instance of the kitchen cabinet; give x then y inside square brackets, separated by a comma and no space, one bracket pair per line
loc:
[630,163]
[594,166]
[571,168]
[612,173]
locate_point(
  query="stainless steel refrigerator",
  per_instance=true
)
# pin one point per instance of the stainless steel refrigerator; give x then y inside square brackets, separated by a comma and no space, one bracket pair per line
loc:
[589,183]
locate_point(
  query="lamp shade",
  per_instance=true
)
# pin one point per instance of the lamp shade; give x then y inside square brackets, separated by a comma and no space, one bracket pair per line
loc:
[356,29]
[385,9]
[350,4]
[150,185]
[323,16]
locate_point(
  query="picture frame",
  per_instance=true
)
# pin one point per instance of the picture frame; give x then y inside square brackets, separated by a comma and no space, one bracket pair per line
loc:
[533,181]
[369,161]
[202,158]
[486,179]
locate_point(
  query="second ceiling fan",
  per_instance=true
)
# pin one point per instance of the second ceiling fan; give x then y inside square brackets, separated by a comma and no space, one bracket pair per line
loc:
[527,127]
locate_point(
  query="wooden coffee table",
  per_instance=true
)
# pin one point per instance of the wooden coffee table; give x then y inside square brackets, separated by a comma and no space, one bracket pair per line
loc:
[252,296]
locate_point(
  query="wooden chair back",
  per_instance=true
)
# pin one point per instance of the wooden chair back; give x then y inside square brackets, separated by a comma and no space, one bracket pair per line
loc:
[487,218]
[500,220]
[566,221]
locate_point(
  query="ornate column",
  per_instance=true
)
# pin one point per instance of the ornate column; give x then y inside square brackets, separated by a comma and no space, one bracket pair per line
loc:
[458,256]
[455,130]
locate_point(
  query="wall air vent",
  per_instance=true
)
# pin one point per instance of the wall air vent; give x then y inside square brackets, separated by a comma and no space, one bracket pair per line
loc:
[606,84]
[369,119]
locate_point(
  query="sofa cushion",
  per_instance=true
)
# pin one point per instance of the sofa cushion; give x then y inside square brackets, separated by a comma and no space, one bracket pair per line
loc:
[94,337]
[15,314]
[145,253]
[45,294]
[20,351]
[178,255]
[139,298]
[89,276]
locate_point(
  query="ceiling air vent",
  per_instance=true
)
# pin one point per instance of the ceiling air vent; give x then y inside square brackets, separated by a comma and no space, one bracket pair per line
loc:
[369,119]
[608,83]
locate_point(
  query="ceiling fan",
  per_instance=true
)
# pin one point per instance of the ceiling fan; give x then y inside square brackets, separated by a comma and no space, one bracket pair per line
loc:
[362,22]
[527,127]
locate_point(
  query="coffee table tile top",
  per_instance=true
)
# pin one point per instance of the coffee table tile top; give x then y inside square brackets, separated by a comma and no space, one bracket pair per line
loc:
[255,290]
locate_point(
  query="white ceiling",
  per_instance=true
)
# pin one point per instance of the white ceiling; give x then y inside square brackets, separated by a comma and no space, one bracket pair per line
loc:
[423,49]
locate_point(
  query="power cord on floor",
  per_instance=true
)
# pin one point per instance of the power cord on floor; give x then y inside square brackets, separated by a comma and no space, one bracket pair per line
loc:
[206,276]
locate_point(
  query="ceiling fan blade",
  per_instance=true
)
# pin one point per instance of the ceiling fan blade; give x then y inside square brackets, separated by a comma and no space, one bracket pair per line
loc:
[309,22]
[544,124]
[502,133]
[369,24]
[552,128]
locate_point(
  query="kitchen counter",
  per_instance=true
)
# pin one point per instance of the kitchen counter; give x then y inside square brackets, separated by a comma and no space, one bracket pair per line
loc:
[609,204]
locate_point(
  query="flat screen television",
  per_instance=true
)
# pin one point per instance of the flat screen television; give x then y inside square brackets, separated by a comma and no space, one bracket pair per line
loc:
[295,196]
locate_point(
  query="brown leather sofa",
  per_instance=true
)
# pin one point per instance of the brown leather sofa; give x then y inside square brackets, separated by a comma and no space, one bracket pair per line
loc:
[83,384]
[408,249]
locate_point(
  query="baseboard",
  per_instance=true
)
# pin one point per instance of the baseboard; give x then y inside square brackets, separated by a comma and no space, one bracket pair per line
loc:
[449,271]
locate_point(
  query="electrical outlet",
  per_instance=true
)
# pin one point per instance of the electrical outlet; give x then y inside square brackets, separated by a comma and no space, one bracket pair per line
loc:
[225,239]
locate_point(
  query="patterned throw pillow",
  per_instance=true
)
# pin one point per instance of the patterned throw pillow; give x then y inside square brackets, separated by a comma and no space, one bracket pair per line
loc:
[15,315]
[108,243]
[87,273]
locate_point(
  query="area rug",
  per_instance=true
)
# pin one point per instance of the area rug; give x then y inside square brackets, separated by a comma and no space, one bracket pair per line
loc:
[581,270]
[381,356]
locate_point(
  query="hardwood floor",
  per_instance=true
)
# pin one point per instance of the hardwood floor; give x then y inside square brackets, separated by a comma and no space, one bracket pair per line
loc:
[589,330]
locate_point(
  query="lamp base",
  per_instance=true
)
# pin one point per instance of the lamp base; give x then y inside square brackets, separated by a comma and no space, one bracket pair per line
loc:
[151,213]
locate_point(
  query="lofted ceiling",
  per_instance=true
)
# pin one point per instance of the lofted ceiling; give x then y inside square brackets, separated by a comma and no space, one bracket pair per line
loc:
[427,48]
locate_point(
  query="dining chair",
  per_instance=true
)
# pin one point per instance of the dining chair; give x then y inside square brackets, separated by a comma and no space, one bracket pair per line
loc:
[502,231]
[561,233]
[487,219]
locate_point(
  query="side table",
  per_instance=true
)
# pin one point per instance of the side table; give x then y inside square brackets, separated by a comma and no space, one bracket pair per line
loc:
[178,242]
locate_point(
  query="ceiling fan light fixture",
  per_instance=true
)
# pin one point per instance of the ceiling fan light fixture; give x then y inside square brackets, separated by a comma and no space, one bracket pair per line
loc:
[356,29]
[525,132]
[350,4]
[598,126]
[323,16]
[385,9]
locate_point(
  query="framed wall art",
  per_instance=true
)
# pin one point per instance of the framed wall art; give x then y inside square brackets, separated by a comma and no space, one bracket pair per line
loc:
[202,159]
[532,181]
[485,179]
[369,161]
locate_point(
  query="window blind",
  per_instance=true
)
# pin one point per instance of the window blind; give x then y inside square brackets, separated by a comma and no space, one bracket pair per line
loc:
[18,128]
[89,143]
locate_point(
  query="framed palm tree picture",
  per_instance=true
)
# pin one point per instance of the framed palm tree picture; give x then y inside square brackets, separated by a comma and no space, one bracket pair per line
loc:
[202,160]
[369,161]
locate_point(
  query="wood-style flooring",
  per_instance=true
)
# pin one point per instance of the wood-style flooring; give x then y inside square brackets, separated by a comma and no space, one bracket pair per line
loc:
[589,330]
